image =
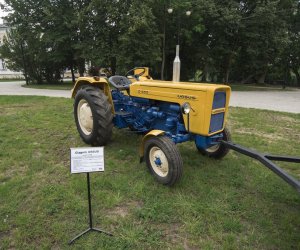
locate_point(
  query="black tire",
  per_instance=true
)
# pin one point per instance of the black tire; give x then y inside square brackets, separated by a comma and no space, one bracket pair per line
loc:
[93,115]
[164,149]
[217,151]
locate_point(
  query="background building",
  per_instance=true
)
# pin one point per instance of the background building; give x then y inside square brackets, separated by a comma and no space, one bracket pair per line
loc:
[4,72]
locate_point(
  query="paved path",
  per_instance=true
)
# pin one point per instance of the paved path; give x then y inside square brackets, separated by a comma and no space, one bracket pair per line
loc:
[15,88]
[287,101]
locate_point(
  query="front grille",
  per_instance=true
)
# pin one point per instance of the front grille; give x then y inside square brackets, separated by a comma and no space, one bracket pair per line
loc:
[219,100]
[217,120]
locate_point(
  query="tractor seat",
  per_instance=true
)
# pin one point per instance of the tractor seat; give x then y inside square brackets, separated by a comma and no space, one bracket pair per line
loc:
[119,82]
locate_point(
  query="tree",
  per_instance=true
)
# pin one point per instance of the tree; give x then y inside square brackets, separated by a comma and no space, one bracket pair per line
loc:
[293,50]
[224,41]
[140,44]
[40,45]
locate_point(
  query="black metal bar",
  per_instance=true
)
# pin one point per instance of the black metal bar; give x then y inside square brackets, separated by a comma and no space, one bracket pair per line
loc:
[283,158]
[89,200]
[266,160]
[101,231]
[79,235]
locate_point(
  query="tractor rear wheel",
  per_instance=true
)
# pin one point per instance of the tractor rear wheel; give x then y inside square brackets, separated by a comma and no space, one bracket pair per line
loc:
[93,115]
[218,151]
[163,160]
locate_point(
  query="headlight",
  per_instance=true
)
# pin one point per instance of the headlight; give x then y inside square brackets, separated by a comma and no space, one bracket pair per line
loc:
[186,108]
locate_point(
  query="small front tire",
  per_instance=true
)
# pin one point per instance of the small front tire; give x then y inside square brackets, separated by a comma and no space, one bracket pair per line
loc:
[163,160]
[220,150]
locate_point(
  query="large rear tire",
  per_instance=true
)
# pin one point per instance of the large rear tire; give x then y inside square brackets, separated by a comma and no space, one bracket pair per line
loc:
[163,160]
[93,115]
[218,151]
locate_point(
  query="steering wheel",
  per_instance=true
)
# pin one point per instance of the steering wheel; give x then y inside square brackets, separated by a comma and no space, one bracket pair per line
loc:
[136,76]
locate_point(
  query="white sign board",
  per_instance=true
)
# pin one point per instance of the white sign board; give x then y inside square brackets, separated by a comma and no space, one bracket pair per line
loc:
[86,160]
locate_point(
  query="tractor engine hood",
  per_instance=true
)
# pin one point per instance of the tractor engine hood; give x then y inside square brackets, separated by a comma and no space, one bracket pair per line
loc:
[207,101]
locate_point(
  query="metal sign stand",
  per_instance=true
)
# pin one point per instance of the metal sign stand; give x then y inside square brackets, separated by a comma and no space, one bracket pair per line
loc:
[91,228]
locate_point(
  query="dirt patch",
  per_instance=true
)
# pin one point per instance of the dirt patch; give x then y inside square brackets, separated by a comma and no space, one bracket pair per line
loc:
[172,232]
[4,234]
[282,118]
[123,210]
[19,170]
[12,109]
[16,106]
[268,136]
[37,155]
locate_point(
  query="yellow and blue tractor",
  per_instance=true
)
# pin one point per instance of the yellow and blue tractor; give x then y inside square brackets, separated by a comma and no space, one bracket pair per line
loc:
[165,112]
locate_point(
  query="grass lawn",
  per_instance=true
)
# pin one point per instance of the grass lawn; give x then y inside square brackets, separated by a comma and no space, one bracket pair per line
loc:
[65,85]
[11,80]
[234,203]
[255,87]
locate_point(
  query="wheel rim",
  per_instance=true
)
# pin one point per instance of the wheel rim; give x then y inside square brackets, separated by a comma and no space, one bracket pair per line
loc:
[85,117]
[213,148]
[159,161]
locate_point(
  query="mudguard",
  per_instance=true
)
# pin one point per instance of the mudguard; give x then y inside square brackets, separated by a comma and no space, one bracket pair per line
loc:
[152,133]
[100,82]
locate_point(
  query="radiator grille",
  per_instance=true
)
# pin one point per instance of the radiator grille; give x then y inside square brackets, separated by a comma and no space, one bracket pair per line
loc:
[217,120]
[219,100]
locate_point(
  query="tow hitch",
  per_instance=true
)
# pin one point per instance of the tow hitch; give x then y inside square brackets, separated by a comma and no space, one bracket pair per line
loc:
[267,160]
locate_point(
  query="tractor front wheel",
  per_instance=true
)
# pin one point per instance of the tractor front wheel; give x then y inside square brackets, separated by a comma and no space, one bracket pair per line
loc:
[163,160]
[218,151]
[93,116]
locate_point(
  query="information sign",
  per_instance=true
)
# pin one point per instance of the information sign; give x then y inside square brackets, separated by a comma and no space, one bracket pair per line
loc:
[86,160]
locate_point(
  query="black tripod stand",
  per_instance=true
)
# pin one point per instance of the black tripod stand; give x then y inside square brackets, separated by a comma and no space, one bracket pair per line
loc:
[91,228]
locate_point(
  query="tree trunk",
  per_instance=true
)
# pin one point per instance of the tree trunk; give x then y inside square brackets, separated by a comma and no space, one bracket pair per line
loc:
[113,64]
[204,74]
[297,76]
[262,76]
[57,75]
[227,67]
[247,79]
[72,72]
[81,66]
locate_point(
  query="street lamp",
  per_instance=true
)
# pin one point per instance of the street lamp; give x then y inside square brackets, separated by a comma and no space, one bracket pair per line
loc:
[176,62]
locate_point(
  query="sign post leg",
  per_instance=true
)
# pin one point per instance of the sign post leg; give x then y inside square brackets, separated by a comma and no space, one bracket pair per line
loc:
[91,228]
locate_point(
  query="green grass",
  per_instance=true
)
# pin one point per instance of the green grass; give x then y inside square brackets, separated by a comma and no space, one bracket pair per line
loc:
[255,87]
[11,80]
[234,203]
[66,85]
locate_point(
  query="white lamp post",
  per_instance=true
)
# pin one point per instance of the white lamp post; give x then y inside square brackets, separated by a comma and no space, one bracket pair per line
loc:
[176,66]
[177,63]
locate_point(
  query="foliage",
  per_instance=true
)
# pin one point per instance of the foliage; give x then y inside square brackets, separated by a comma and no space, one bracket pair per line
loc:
[231,41]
